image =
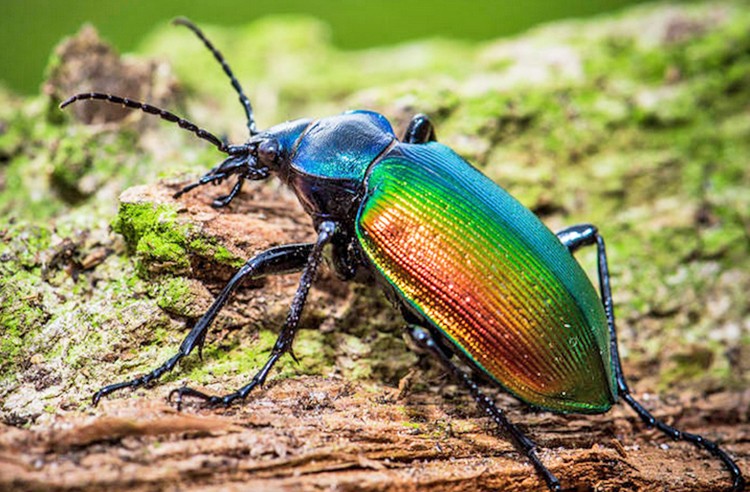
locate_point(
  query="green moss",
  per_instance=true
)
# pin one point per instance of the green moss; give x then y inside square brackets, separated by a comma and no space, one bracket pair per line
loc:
[22,307]
[16,130]
[312,350]
[47,167]
[153,233]
[688,365]
[79,354]
[225,257]
[71,163]
[209,247]
[24,245]
[165,244]
[22,314]
[726,241]
[175,295]
[82,166]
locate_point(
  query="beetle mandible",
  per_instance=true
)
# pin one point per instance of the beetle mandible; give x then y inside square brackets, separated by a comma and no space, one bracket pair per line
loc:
[472,271]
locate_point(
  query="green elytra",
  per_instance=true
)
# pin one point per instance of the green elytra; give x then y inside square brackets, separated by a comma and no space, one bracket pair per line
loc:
[485,272]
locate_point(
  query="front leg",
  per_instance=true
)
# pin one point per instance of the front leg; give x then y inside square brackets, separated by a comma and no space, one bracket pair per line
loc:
[238,163]
[326,231]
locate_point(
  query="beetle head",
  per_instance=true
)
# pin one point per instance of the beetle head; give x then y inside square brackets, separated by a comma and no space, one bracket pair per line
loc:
[264,153]
[243,162]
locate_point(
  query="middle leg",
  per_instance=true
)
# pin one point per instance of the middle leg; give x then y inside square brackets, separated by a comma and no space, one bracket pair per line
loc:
[285,339]
[425,341]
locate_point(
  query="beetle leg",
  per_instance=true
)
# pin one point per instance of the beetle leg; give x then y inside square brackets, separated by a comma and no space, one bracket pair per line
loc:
[284,342]
[278,260]
[577,236]
[419,131]
[223,201]
[345,260]
[586,234]
[425,341]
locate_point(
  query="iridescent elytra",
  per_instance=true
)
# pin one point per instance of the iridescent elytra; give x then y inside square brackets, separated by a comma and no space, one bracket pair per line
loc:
[474,273]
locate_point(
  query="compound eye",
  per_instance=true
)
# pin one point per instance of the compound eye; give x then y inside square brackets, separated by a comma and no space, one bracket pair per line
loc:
[268,151]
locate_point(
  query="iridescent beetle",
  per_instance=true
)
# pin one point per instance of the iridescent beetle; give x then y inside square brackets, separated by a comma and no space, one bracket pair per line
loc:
[471,269]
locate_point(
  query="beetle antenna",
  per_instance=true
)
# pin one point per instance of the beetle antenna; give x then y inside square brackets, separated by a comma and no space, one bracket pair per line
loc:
[147,108]
[182,21]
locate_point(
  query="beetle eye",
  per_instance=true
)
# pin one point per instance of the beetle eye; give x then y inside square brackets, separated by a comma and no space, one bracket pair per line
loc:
[268,151]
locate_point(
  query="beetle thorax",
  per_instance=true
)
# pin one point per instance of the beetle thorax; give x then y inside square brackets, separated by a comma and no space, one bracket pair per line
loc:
[328,161]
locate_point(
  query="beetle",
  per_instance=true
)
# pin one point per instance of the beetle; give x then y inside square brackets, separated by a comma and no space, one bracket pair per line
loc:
[473,272]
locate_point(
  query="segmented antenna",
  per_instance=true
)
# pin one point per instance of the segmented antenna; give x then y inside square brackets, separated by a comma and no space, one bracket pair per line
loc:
[147,108]
[181,21]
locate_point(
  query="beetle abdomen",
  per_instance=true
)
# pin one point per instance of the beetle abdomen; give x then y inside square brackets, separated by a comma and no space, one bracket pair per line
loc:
[490,276]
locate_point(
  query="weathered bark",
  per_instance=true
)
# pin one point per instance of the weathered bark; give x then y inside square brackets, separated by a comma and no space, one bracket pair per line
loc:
[314,433]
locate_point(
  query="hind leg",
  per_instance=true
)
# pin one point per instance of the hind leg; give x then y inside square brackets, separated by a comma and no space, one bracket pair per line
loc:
[578,236]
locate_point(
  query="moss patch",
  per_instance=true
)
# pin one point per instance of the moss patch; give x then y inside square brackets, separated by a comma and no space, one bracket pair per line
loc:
[154,235]
[166,244]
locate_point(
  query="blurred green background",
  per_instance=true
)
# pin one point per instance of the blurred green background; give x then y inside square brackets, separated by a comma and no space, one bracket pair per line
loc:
[29,29]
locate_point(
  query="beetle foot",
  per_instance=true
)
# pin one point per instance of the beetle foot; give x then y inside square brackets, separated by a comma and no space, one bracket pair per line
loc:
[210,401]
[138,382]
